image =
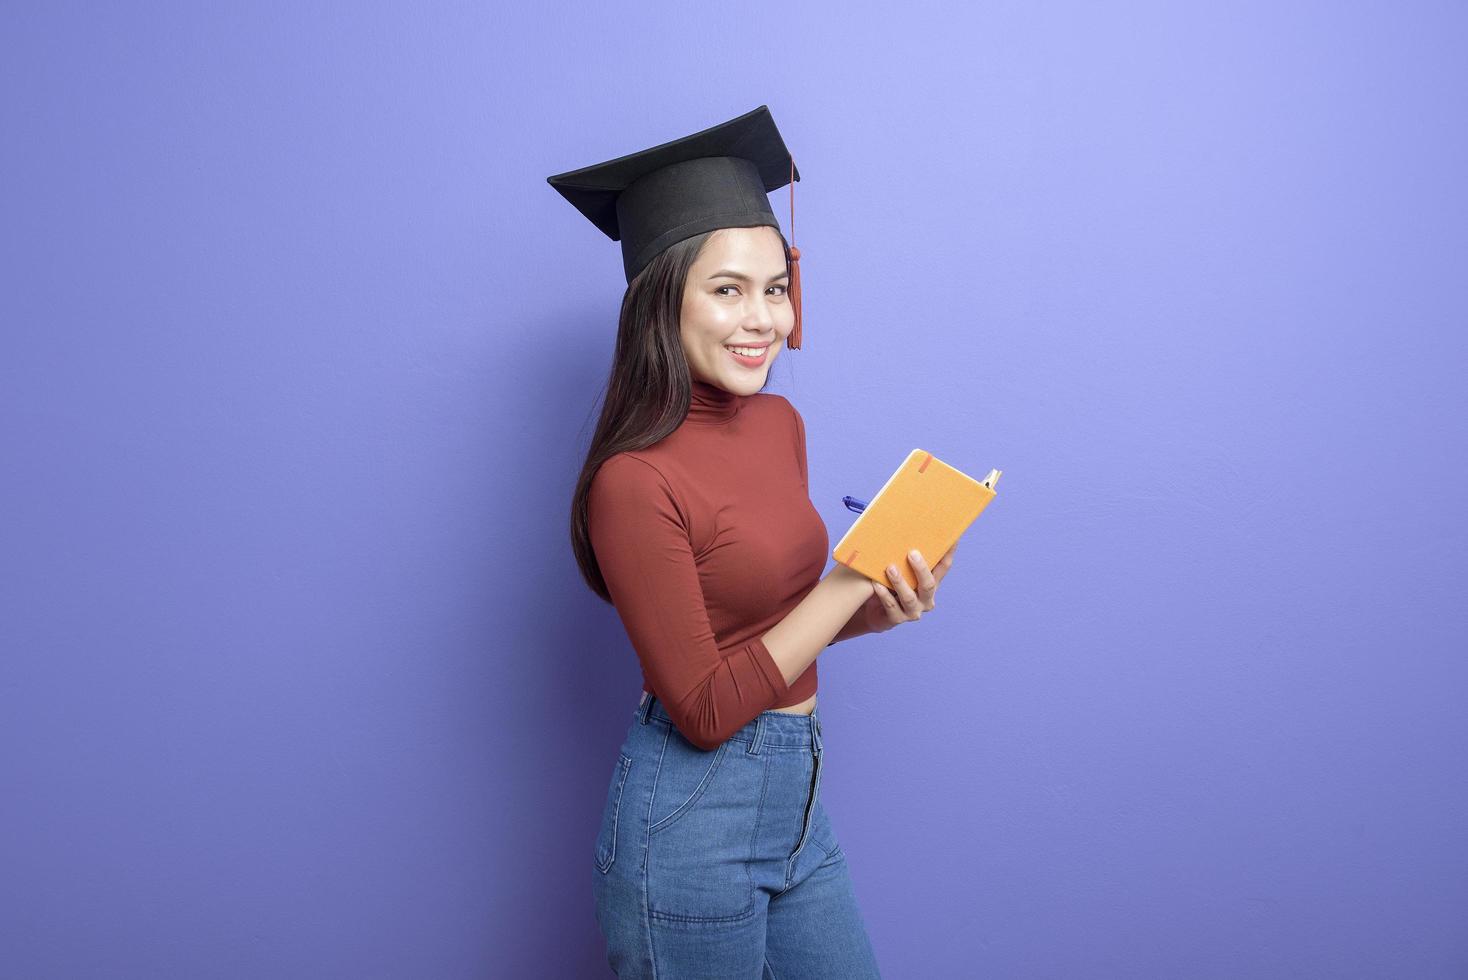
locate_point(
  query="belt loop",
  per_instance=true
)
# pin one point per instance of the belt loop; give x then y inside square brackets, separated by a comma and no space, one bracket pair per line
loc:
[647,700]
[759,735]
[815,731]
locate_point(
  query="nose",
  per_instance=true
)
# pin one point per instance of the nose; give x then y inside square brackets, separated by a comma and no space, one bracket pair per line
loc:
[758,317]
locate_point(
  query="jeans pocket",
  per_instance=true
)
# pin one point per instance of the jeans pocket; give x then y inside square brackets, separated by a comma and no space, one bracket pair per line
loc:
[684,776]
[701,839]
[606,838]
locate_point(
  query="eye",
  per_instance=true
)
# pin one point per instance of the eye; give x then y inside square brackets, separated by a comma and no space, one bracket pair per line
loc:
[720,290]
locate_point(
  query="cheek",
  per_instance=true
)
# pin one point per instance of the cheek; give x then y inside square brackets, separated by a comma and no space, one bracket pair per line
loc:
[709,318]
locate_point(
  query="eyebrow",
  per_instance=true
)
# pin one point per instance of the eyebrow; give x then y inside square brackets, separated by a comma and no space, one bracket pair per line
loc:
[742,277]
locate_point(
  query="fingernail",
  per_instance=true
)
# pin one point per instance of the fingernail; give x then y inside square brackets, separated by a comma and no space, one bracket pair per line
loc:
[914,553]
[892,570]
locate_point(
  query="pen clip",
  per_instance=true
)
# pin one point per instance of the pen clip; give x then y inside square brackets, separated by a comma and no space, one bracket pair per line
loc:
[853,504]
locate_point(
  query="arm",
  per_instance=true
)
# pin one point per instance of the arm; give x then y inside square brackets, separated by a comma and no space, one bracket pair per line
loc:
[819,620]
[642,547]
[855,626]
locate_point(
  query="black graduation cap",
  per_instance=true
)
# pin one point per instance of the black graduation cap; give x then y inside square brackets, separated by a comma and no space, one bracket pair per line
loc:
[719,177]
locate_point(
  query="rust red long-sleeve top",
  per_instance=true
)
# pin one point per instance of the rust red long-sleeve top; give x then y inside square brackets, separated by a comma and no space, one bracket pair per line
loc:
[706,540]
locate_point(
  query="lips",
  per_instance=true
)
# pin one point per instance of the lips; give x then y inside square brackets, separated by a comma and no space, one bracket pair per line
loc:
[747,361]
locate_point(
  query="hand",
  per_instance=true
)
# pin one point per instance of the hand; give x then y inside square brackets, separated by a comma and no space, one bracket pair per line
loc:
[886,608]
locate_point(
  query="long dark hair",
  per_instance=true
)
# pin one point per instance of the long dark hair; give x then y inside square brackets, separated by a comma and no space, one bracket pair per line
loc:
[649,387]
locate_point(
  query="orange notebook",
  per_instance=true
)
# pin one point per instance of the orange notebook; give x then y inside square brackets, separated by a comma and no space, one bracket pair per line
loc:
[926,504]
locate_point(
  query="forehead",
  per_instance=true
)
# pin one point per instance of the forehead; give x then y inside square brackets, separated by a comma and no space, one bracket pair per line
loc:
[746,249]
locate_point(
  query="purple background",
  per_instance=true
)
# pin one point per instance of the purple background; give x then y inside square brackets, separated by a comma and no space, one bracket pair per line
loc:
[302,354]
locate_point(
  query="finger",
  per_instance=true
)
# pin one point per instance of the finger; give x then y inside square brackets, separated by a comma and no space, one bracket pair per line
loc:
[889,602]
[945,563]
[904,591]
[926,582]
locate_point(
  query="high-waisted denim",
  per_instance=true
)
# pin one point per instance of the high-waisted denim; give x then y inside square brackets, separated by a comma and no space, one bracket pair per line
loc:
[721,863]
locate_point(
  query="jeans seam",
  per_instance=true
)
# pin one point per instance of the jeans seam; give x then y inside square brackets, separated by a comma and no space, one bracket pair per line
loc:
[646,872]
[652,800]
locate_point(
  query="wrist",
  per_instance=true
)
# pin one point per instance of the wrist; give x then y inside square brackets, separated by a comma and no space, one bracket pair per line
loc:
[853,584]
[855,626]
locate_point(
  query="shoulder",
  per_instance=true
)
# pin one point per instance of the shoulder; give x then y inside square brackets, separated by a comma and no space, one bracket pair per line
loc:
[630,495]
[629,470]
[787,414]
[773,399]
[632,481]
[776,404]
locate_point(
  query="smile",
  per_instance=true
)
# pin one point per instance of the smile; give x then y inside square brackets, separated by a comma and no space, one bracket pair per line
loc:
[748,356]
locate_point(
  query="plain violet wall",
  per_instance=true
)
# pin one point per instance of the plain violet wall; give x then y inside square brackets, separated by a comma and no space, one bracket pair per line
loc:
[301,355]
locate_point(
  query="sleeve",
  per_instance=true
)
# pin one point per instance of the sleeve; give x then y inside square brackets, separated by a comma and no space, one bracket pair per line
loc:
[642,547]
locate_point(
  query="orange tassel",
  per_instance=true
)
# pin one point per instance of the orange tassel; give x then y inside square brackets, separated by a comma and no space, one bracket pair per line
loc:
[793,342]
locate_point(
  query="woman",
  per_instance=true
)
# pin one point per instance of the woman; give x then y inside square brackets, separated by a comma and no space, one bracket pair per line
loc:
[714,856]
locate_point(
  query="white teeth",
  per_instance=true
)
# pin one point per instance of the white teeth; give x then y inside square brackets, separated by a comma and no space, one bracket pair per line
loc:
[746,351]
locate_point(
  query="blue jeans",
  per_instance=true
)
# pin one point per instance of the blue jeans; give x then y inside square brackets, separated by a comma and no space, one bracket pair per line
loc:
[722,863]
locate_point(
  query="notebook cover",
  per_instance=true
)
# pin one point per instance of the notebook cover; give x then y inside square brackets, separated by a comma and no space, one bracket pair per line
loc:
[926,504]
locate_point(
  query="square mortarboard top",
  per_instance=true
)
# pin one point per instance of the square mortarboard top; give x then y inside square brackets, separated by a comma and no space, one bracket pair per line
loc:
[719,177]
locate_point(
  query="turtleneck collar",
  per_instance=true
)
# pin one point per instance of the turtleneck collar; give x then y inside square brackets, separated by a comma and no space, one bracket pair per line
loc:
[712,405]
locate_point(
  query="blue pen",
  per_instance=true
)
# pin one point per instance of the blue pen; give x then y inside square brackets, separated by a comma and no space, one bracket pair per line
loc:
[853,504]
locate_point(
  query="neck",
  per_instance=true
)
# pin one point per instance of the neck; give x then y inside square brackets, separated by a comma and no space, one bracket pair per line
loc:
[710,404]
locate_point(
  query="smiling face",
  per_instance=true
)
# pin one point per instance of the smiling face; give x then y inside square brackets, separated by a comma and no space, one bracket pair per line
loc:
[735,296]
